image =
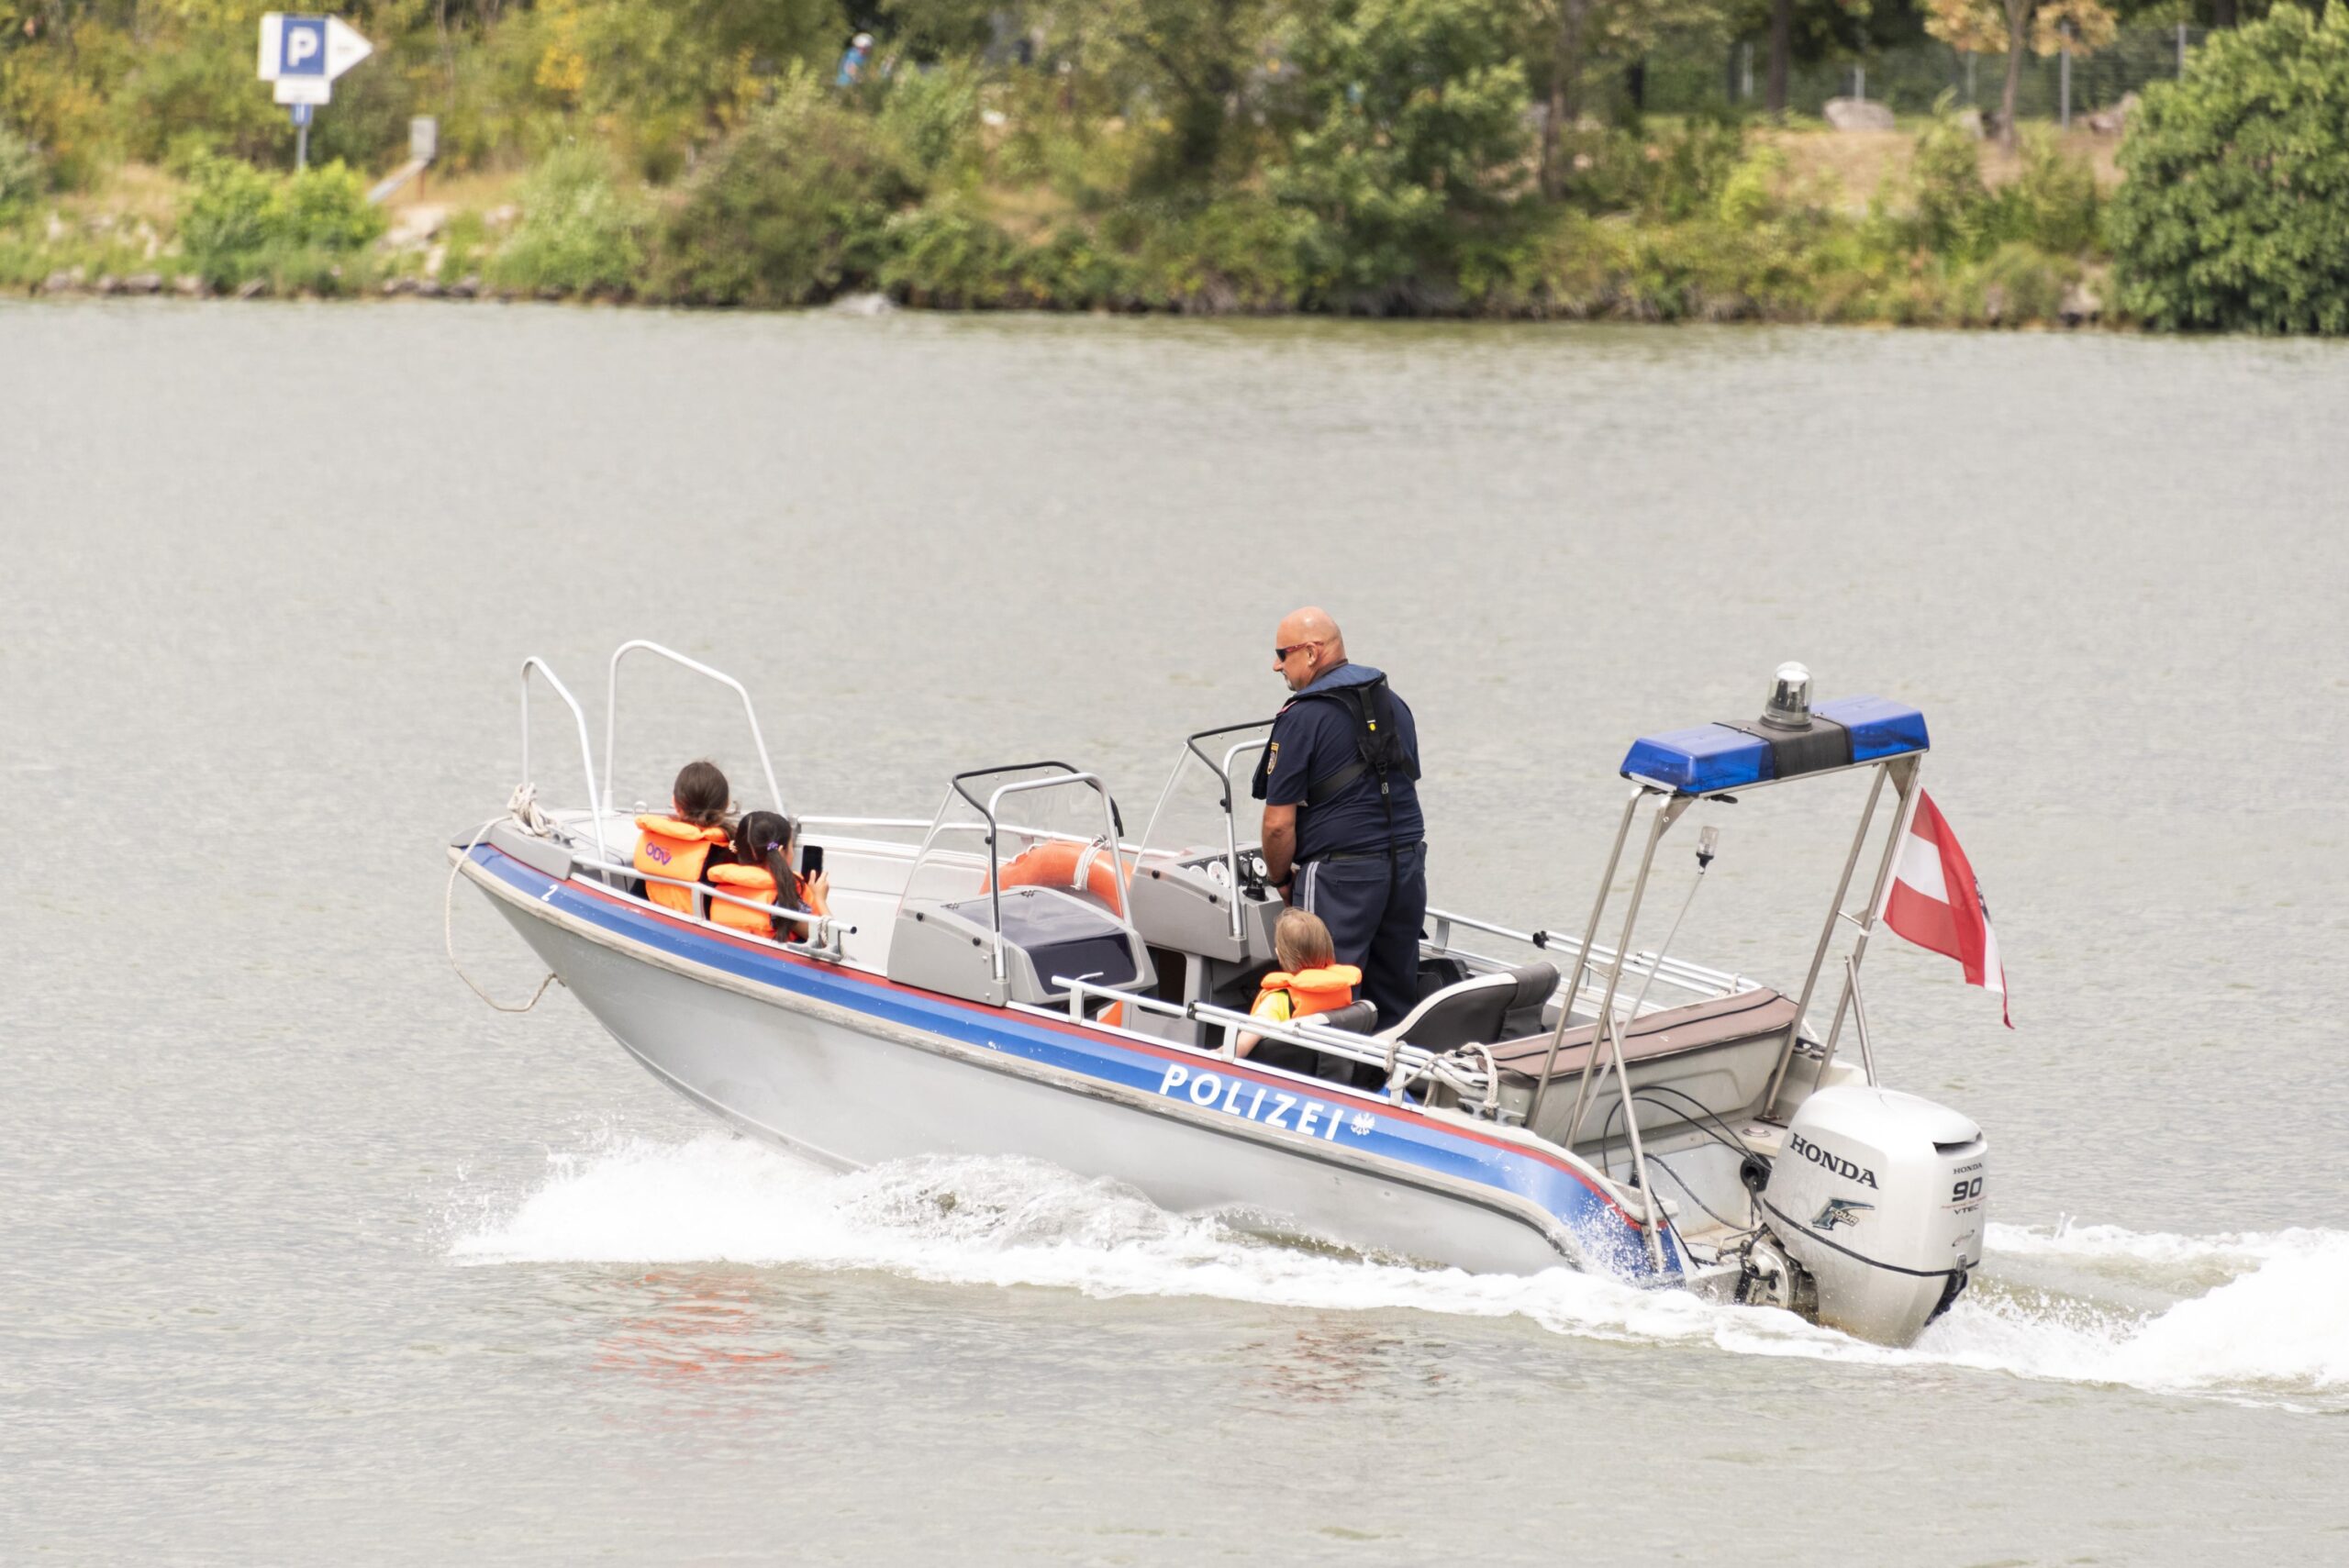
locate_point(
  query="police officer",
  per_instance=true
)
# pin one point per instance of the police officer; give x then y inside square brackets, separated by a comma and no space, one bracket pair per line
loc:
[1342,835]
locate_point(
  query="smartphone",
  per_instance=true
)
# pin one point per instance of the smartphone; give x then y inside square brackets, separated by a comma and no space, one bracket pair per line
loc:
[811,861]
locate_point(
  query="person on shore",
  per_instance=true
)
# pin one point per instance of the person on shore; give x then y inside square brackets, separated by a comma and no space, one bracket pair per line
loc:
[685,845]
[1342,835]
[1310,980]
[762,872]
[853,61]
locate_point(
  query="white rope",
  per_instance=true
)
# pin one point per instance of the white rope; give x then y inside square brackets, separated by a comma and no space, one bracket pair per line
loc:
[523,811]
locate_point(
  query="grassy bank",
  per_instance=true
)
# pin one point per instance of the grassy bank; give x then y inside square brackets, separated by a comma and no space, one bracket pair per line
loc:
[1921,226]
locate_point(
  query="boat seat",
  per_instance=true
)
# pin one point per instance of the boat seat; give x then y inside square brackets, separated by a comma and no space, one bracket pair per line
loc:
[1717,1020]
[1473,1011]
[1354,1017]
[1470,1012]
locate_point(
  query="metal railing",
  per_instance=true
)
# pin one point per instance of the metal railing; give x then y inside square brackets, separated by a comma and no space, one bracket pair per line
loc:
[1703,72]
[824,930]
[1675,973]
[612,709]
[1404,1065]
[579,718]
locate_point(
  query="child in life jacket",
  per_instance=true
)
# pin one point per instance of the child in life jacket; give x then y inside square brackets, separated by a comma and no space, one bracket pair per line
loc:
[1310,980]
[684,846]
[762,872]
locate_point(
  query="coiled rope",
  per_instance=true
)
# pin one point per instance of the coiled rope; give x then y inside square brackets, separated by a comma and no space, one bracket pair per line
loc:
[522,810]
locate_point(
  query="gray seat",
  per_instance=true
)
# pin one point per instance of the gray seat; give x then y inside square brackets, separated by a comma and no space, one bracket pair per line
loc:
[1354,1017]
[1535,981]
[1469,1013]
[1476,1011]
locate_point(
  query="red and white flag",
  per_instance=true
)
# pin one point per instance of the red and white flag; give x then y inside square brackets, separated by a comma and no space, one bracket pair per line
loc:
[1934,901]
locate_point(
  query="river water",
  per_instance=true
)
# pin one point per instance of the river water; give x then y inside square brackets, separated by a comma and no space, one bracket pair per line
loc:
[310,1256]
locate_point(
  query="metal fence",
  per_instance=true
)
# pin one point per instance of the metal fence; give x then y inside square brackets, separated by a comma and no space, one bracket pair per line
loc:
[1707,75]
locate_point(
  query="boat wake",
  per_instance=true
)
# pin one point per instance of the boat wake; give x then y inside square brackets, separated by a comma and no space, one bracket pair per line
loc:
[2260,1317]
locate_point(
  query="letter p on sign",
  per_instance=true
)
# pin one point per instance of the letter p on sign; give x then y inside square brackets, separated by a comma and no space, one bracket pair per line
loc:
[305,47]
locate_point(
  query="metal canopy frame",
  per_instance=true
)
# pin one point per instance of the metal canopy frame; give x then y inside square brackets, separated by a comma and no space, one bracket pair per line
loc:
[1668,804]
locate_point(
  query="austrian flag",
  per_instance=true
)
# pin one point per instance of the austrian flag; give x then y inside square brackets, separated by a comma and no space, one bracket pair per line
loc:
[1934,901]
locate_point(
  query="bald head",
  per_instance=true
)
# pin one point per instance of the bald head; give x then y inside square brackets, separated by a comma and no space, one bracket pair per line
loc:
[1307,643]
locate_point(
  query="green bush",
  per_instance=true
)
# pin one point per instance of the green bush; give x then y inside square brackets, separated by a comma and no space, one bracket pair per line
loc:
[1690,169]
[1241,255]
[2237,178]
[240,222]
[793,208]
[579,233]
[227,214]
[1951,208]
[942,254]
[325,207]
[2019,284]
[2051,202]
[934,116]
[21,175]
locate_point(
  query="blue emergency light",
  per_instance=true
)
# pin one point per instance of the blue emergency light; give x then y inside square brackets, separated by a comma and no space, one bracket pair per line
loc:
[1715,757]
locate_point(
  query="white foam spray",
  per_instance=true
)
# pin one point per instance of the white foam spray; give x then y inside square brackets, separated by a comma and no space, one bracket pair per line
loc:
[2254,1315]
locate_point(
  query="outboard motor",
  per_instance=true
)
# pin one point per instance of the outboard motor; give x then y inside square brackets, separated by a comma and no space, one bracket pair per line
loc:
[1876,1198]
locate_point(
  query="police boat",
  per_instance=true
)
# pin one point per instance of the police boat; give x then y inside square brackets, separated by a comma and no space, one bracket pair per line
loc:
[1015,976]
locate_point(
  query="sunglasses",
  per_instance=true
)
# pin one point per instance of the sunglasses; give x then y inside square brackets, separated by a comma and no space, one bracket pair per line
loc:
[1280,655]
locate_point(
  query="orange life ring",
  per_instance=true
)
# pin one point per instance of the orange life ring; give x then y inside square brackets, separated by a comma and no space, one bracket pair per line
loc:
[1078,868]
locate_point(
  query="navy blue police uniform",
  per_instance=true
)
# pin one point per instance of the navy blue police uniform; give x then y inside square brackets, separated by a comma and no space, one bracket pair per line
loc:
[1345,753]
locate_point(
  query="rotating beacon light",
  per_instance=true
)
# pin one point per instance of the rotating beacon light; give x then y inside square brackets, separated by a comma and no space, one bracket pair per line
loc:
[1789,705]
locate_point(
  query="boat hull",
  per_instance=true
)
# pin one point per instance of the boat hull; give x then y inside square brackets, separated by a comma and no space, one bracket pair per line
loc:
[848,1070]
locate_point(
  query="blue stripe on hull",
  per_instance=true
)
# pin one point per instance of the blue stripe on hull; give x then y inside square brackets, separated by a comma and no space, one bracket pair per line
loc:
[1606,1233]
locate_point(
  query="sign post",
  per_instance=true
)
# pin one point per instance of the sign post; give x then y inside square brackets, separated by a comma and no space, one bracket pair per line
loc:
[302,56]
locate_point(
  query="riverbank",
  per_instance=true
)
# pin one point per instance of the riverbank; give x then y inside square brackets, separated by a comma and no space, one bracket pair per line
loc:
[1923,224]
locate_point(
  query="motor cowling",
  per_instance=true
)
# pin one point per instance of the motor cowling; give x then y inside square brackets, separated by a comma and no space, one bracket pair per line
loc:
[1879,1197]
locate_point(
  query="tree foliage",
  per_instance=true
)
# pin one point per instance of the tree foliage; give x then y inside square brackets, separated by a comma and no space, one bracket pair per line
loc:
[2231,215]
[1414,141]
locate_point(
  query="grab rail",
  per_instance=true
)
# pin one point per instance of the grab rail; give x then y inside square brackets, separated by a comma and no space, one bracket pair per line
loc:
[1673,972]
[1404,1064]
[579,718]
[822,925]
[612,709]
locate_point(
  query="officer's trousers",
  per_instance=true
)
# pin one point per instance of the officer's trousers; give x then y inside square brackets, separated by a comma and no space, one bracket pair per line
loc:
[1374,905]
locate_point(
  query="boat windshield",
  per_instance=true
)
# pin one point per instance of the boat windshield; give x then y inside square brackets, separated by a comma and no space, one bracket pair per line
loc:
[1202,817]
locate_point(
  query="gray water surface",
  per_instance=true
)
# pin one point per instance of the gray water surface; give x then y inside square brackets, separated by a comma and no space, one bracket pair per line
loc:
[310,1256]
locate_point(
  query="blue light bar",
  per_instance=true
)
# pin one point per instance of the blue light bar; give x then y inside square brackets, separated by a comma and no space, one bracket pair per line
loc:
[1880,727]
[1699,761]
[1715,757]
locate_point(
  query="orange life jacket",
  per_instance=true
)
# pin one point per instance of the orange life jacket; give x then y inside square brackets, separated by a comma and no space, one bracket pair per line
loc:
[667,846]
[754,882]
[1311,991]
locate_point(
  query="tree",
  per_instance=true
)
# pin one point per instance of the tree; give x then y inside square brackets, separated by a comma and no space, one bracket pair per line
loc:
[1185,62]
[1565,40]
[2238,174]
[1810,31]
[2008,26]
[1415,140]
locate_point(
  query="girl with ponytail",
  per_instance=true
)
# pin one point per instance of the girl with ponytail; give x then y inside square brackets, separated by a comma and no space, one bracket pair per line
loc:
[763,874]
